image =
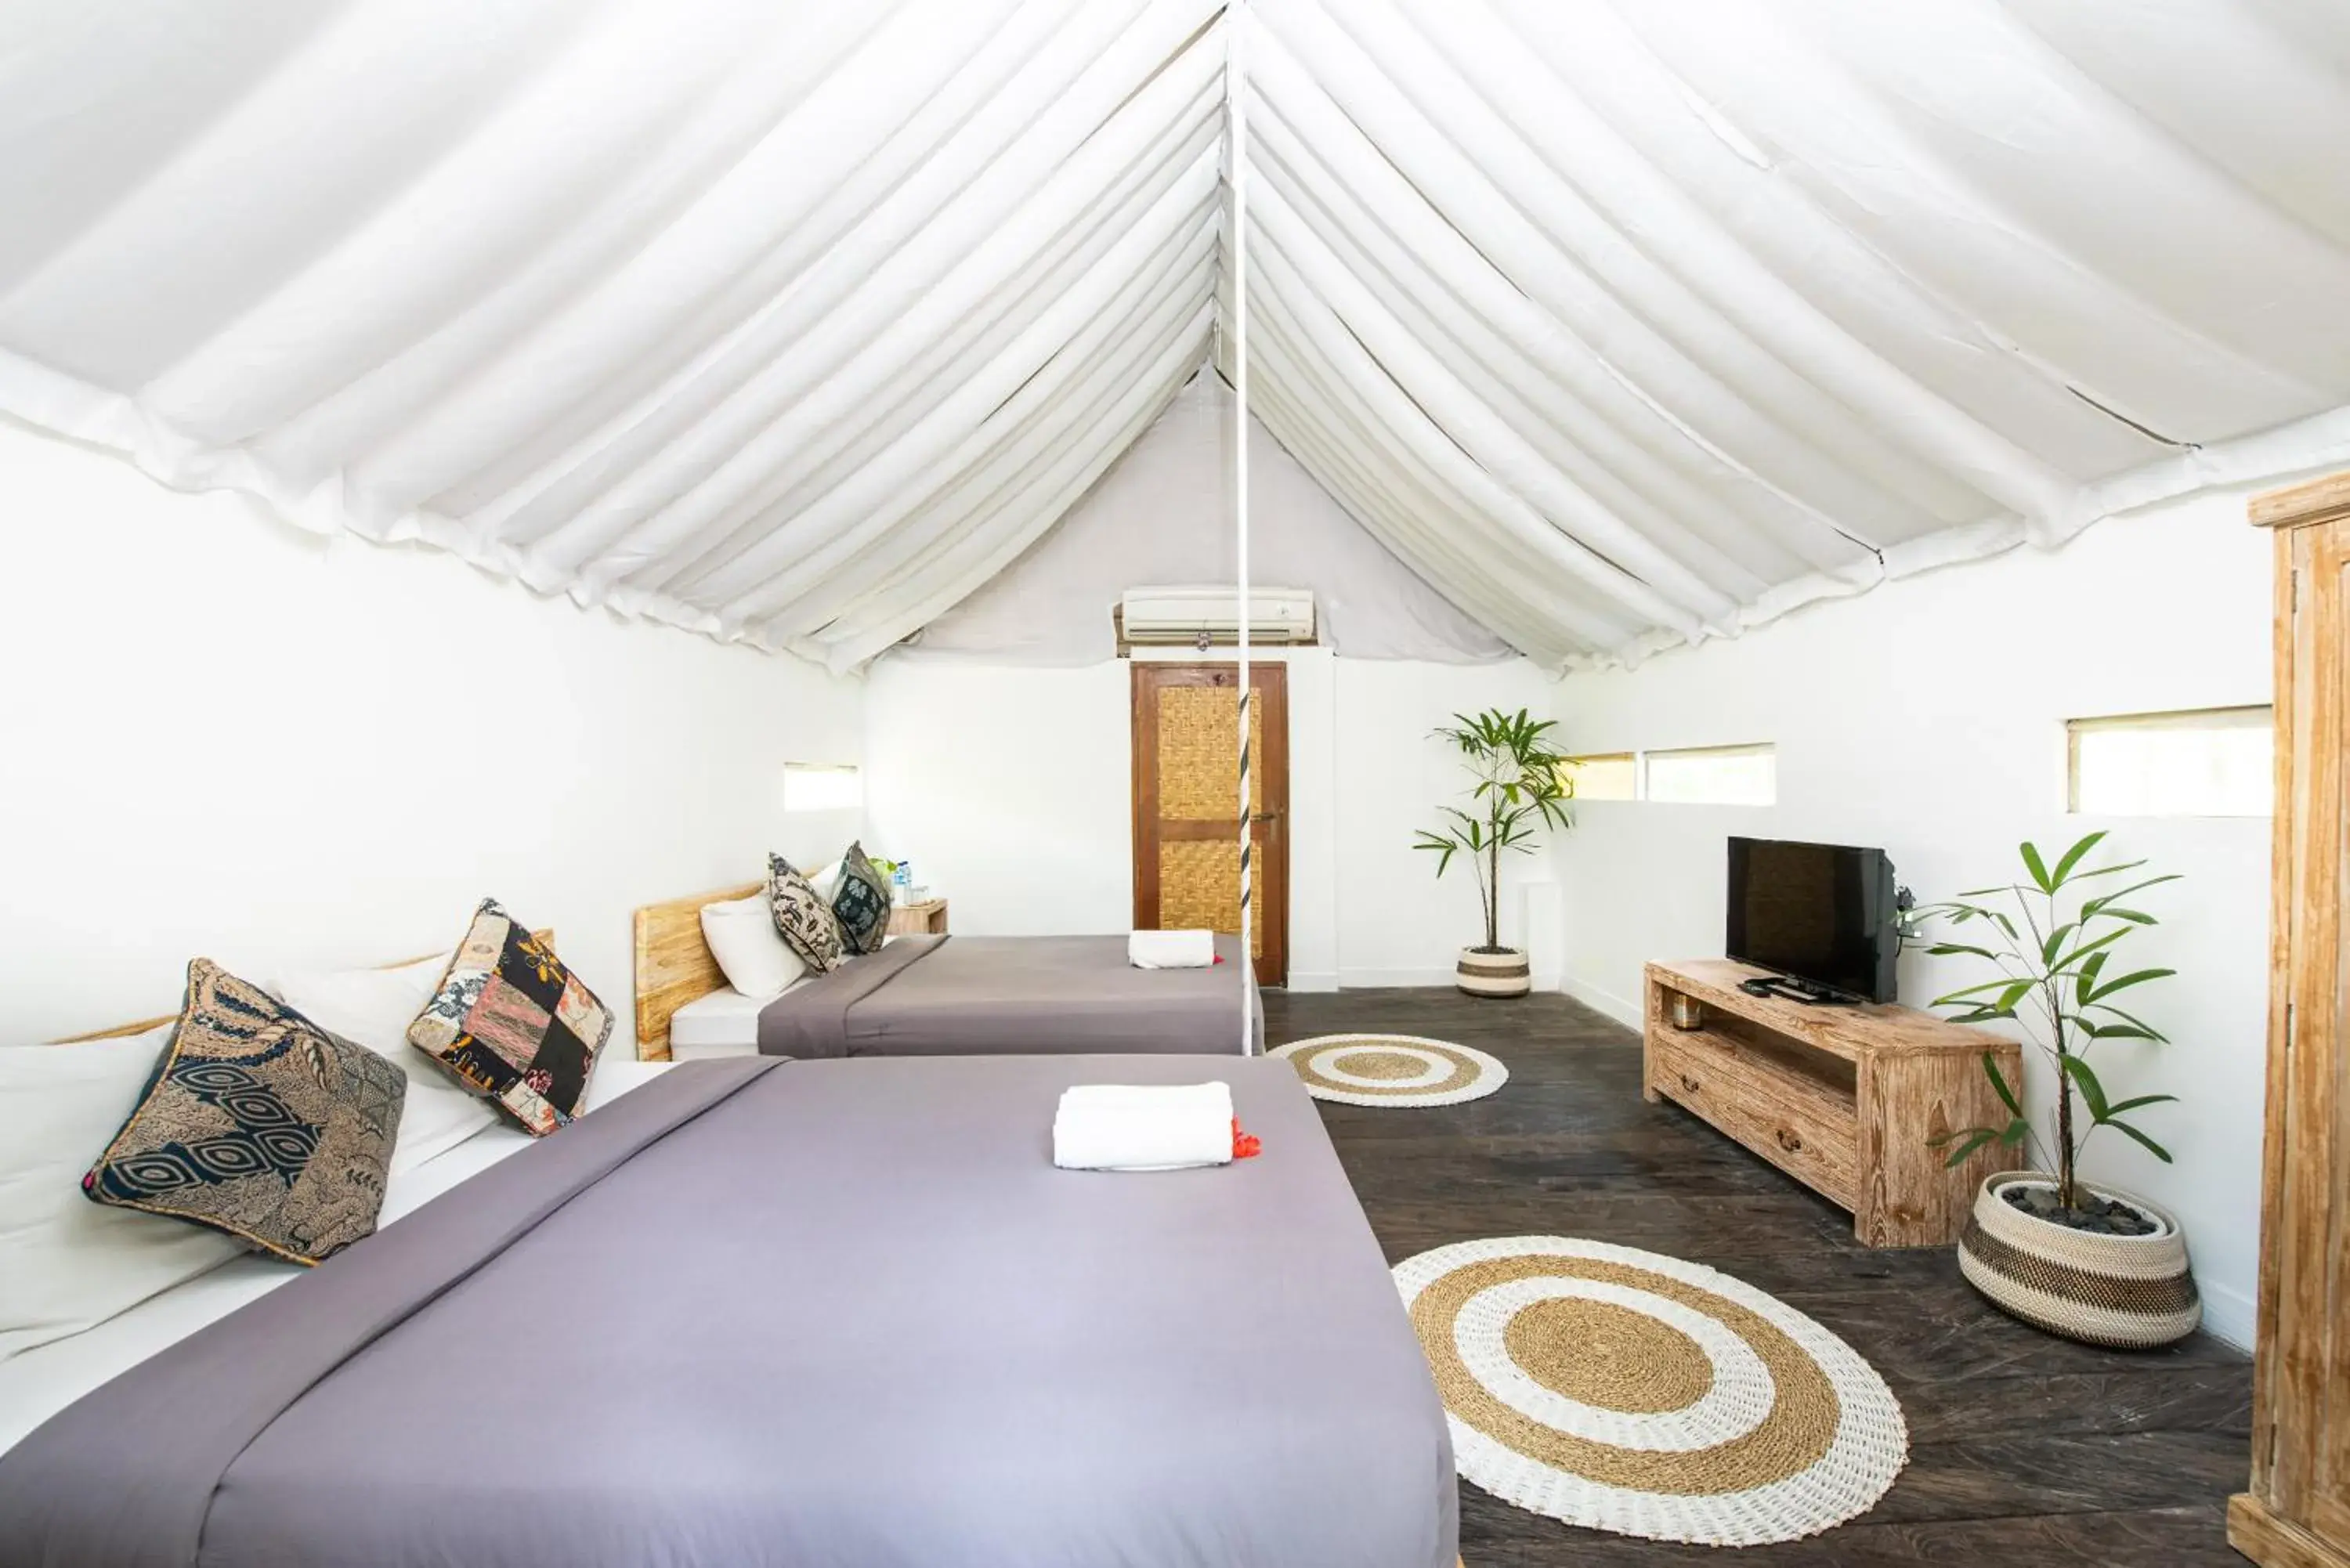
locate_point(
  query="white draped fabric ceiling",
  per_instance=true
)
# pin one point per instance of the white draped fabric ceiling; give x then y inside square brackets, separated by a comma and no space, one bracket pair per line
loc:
[1620,323]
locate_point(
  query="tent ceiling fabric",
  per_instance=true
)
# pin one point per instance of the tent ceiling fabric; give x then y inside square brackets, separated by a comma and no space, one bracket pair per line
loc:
[1620,324]
[1629,323]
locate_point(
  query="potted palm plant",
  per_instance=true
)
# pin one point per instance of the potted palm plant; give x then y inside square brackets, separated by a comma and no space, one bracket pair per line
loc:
[1522,788]
[2090,1262]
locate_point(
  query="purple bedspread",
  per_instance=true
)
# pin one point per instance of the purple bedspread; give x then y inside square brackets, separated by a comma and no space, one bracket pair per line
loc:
[1017,996]
[819,1314]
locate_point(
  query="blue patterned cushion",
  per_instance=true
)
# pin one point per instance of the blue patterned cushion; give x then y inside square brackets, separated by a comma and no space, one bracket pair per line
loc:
[257,1123]
[861,902]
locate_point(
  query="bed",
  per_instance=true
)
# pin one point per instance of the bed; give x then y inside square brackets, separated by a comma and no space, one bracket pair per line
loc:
[832,1314]
[938,996]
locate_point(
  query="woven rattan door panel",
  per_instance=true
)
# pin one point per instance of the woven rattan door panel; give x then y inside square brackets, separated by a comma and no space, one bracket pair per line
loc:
[1186,790]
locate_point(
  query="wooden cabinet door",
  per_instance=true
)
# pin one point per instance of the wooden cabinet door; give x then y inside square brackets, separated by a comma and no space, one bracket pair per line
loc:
[1187,785]
[2302,1439]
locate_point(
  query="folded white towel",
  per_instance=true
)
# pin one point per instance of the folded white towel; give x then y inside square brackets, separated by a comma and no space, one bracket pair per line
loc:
[1143,1126]
[1170,949]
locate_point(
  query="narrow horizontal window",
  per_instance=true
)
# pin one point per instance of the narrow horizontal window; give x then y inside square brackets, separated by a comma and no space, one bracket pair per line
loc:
[1713,775]
[1612,776]
[2206,762]
[822,786]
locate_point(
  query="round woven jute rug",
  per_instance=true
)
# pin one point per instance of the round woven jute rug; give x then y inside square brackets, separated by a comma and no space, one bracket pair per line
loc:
[1627,1391]
[1392,1070]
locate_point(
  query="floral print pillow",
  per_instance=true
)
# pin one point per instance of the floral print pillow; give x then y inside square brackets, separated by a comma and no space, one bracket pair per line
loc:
[802,919]
[509,1022]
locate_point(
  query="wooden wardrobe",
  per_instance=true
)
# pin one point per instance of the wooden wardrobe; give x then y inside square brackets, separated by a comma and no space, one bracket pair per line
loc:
[2297,1513]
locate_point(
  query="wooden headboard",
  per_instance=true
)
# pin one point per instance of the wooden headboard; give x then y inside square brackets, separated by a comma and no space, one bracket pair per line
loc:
[674,965]
[121,1031]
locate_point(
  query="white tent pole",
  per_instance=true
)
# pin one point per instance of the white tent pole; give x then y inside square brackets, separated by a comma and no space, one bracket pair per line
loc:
[1236,110]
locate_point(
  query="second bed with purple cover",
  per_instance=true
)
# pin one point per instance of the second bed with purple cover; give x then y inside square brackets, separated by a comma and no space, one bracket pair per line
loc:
[975,996]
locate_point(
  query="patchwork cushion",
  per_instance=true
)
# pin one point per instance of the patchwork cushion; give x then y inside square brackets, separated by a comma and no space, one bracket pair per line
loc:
[861,903]
[257,1123]
[512,1024]
[802,919]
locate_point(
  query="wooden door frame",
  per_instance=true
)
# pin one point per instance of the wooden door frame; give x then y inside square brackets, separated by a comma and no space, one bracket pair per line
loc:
[1269,861]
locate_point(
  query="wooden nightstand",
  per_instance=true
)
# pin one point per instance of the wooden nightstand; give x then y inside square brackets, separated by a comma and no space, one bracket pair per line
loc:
[927,918]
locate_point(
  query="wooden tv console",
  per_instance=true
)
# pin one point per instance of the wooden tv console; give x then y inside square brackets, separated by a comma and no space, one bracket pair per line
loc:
[1842,1098]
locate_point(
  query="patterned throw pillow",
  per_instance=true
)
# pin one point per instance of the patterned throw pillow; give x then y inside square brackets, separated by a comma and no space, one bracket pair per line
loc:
[802,919]
[861,902]
[511,1023]
[257,1123]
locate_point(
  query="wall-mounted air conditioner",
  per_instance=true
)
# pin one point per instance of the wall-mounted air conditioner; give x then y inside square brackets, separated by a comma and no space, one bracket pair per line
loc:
[1181,615]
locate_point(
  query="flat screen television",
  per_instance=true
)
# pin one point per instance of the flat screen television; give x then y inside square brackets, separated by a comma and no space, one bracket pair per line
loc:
[1823,914]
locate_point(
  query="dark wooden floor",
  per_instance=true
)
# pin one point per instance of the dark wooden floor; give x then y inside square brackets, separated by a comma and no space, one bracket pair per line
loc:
[2026,1450]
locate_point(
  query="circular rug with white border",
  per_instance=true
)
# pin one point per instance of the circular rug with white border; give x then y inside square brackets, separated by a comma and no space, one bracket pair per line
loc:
[1392,1070]
[1627,1391]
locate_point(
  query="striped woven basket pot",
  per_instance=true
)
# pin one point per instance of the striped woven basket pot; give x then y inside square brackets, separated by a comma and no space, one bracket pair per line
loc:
[1503,973]
[2129,1292]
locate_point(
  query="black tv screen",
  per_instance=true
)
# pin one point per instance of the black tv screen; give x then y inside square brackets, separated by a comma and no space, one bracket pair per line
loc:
[1819,913]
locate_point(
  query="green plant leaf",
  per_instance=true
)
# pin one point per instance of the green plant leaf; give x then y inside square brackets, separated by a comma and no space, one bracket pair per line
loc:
[1999,1085]
[2104,899]
[1444,848]
[1982,1015]
[2094,945]
[1975,1138]
[2085,980]
[2115,1110]
[2015,1132]
[1959,913]
[2055,944]
[2072,857]
[2032,862]
[2006,982]
[2138,977]
[2135,1022]
[1968,995]
[2119,866]
[2153,1148]
[2092,1091]
[2116,1032]
[1948,950]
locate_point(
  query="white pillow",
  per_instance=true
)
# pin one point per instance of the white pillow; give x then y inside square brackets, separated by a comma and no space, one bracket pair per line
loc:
[66,1263]
[744,940]
[374,1007]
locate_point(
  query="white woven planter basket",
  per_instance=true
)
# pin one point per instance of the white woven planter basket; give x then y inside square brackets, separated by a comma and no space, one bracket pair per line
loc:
[2130,1292]
[1504,973]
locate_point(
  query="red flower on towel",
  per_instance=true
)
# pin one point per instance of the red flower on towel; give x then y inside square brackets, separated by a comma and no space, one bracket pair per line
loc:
[1217,959]
[1245,1146]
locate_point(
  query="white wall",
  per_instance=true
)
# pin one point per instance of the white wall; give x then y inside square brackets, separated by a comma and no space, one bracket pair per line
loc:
[1165,512]
[226,737]
[1010,789]
[1926,717]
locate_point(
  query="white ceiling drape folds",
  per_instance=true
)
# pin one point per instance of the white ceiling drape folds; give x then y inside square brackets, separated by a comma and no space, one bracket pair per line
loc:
[1620,324]
[789,323]
[1628,323]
